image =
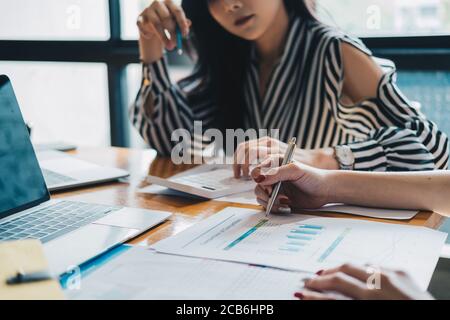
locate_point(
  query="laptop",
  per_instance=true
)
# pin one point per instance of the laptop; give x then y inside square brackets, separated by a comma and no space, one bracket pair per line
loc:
[62,171]
[206,181]
[72,232]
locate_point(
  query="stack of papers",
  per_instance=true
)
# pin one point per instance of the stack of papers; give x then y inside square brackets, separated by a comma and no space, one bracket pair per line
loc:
[241,254]
[140,273]
[308,244]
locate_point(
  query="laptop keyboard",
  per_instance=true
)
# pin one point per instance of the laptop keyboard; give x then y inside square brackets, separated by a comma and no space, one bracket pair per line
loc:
[52,178]
[53,221]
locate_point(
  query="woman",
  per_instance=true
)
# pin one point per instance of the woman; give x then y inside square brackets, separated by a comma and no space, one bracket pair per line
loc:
[306,187]
[270,64]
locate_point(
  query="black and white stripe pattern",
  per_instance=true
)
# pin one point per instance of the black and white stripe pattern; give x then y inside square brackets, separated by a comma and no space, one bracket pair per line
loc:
[386,133]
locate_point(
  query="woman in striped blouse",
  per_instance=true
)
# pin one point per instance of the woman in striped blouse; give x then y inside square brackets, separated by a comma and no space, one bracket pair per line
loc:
[270,64]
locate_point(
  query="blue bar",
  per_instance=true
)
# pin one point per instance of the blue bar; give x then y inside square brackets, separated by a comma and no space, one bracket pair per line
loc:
[305,232]
[299,237]
[310,226]
[245,235]
[334,245]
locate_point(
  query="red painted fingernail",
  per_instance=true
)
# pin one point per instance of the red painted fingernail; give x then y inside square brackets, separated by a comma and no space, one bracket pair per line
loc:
[260,179]
[299,295]
[319,272]
[285,201]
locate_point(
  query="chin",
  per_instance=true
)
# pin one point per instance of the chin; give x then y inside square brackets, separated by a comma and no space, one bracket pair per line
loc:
[250,34]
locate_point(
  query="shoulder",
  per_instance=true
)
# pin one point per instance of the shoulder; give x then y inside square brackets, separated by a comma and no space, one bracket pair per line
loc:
[334,38]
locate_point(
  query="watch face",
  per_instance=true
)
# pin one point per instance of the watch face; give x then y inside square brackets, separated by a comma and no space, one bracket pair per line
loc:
[345,155]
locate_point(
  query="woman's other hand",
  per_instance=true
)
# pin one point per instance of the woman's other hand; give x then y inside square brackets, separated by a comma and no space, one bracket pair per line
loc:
[369,283]
[252,152]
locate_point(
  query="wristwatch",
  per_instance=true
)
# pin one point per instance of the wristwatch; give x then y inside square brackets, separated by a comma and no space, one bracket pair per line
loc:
[345,158]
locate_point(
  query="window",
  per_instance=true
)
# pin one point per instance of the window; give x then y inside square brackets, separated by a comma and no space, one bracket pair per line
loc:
[388,17]
[134,74]
[74,63]
[430,90]
[54,20]
[130,9]
[62,101]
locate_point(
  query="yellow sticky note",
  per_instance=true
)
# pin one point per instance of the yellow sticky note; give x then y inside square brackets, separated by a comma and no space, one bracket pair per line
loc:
[27,256]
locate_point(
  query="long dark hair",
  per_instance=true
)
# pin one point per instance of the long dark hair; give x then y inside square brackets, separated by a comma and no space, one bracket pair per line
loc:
[223,58]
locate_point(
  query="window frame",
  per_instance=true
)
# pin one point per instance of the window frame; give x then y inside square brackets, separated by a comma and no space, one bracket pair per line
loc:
[410,53]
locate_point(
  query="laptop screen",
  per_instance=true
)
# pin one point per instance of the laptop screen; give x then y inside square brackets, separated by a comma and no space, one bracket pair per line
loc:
[22,185]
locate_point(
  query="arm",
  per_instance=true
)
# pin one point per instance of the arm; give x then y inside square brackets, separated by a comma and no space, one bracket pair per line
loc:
[419,190]
[161,107]
[391,134]
[305,187]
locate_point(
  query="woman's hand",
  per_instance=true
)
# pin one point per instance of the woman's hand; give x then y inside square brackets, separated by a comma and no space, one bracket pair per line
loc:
[351,282]
[303,187]
[152,23]
[251,152]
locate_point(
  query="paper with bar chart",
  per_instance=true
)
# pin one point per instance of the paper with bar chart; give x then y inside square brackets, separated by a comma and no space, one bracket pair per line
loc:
[306,243]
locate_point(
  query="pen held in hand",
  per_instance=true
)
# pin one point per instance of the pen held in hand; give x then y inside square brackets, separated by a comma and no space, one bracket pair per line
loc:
[287,159]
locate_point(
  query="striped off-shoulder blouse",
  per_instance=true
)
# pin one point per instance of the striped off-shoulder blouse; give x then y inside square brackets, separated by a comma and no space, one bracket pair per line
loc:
[385,133]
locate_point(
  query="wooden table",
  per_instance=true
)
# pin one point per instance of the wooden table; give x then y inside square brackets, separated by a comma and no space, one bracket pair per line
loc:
[186,212]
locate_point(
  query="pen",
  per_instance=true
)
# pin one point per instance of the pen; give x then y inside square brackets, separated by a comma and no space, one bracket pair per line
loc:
[179,41]
[287,159]
[22,277]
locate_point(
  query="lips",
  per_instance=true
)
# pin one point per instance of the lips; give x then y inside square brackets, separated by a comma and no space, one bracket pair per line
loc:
[241,21]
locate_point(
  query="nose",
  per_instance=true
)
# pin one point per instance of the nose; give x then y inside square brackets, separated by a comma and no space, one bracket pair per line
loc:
[232,5]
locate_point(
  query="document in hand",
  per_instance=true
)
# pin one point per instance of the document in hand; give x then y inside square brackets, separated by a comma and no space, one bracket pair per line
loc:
[139,273]
[306,243]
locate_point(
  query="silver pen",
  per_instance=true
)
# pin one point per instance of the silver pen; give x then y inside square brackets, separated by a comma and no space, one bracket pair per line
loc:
[287,159]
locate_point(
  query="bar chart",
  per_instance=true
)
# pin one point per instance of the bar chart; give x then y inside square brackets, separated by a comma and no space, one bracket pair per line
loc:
[300,237]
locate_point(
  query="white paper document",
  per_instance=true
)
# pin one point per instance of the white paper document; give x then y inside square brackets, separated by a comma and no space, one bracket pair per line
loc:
[392,214]
[250,198]
[143,274]
[305,243]
[206,181]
